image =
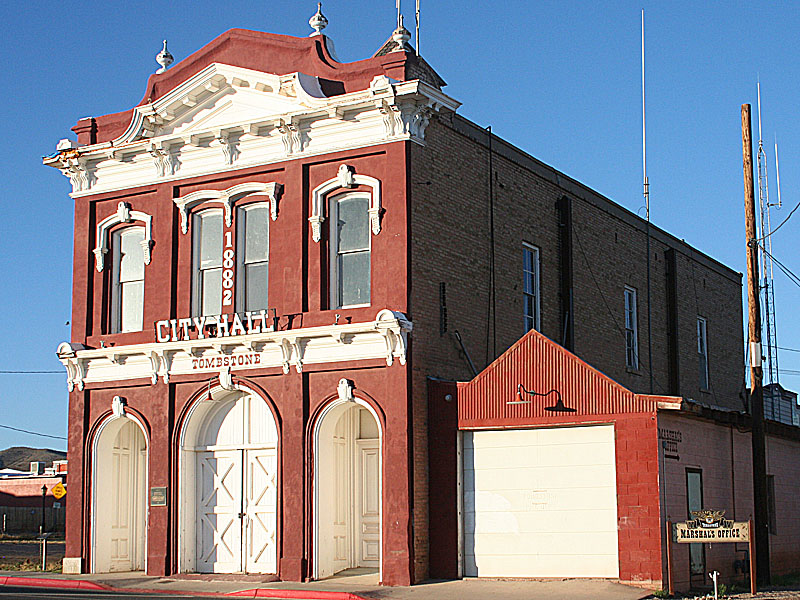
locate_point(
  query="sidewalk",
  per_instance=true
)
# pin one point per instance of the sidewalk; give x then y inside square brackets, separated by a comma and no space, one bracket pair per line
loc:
[351,587]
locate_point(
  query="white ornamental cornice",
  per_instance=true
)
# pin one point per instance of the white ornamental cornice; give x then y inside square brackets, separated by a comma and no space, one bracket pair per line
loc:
[384,338]
[226,117]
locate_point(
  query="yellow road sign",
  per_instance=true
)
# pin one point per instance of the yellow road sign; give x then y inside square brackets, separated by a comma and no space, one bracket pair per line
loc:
[59,491]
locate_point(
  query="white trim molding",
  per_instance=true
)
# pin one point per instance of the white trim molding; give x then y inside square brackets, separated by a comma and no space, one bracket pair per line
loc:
[227,117]
[385,338]
[346,178]
[227,197]
[124,214]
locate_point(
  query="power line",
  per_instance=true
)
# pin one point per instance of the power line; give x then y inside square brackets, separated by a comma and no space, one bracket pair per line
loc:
[788,349]
[47,435]
[788,272]
[59,372]
[789,216]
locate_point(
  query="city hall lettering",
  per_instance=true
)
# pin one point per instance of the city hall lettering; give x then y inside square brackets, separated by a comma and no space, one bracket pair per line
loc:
[213,326]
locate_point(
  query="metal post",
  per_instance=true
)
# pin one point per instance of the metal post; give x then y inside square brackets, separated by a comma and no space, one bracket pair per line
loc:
[752,558]
[670,585]
[44,499]
[761,517]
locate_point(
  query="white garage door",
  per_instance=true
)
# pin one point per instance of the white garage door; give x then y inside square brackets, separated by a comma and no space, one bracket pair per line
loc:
[540,503]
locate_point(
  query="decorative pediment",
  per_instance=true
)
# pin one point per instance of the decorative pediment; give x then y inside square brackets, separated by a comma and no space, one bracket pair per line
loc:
[124,214]
[346,178]
[227,197]
[221,97]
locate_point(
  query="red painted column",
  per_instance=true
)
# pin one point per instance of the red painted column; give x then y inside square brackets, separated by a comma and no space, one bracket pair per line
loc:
[290,395]
[397,551]
[159,469]
[76,477]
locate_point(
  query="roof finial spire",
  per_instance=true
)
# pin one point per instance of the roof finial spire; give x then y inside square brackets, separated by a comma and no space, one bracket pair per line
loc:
[401,35]
[318,22]
[399,15]
[164,58]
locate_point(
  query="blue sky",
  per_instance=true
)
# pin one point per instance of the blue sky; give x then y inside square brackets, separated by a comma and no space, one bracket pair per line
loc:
[559,79]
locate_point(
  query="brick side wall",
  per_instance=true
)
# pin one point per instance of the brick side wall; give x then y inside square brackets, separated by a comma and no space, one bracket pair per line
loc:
[450,233]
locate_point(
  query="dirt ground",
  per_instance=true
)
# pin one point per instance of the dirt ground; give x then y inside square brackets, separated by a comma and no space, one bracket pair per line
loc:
[27,554]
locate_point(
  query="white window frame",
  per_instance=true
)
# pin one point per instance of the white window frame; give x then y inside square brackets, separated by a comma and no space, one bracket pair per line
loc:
[535,318]
[702,353]
[630,308]
[197,232]
[241,264]
[333,259]
[116,284]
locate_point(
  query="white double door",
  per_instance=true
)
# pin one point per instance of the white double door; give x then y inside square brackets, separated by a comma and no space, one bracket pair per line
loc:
[237,510]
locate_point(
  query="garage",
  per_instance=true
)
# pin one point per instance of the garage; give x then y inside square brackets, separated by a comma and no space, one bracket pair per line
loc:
[540,502]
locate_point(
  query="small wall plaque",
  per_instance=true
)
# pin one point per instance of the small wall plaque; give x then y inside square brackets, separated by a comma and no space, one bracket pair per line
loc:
[158,496]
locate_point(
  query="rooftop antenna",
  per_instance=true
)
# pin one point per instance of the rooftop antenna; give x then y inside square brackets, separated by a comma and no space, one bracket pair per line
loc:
[646,193]
[416,38]
[771,374]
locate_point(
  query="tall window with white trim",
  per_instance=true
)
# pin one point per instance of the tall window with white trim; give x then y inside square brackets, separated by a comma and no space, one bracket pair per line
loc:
[350,250]
[207,271]
[253,260]
[631,330]
[127,290]
[702,352]
[530,287]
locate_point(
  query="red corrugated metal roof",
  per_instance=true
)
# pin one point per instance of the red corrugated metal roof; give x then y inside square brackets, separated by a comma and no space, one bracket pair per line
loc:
[540,365]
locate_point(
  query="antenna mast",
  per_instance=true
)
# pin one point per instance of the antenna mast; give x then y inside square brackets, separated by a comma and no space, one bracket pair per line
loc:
[771,373]
[416,39]
[646,193]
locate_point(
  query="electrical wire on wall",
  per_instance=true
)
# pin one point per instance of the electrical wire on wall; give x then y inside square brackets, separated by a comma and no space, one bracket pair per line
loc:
[491,312]
[611,313]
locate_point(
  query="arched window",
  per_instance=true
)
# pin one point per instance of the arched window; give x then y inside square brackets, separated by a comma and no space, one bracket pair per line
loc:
[207,280]
[252,225]
[127,290]
[350,250]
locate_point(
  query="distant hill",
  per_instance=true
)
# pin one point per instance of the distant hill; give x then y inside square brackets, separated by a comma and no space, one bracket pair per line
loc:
[20,457]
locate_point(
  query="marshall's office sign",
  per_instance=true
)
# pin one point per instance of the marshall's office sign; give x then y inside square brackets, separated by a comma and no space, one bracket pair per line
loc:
[708,526]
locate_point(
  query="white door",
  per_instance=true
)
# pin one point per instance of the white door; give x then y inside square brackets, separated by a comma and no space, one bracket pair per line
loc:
[128,472]
[219,527]
[342,513]
[236,474]
[261,510]
[123,472]
[540,503]
[368,503]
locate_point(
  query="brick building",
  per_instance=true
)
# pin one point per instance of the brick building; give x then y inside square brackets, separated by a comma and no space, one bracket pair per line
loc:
[251,382]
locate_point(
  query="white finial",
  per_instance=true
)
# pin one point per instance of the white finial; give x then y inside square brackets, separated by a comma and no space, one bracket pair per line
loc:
[401,36]
[164,58]
[318,22]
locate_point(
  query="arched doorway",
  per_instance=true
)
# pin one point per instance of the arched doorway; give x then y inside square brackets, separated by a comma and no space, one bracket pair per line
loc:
[228,485]
[347,489]
[119,497]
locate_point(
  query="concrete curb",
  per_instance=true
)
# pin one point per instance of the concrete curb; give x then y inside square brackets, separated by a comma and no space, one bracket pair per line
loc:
[253,593]
[296,594]
[52,583]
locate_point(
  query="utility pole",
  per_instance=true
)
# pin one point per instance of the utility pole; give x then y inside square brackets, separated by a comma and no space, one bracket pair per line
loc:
[761,517]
